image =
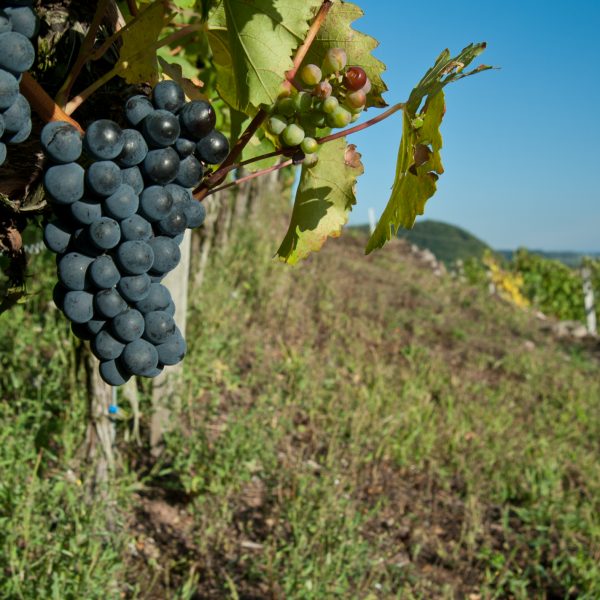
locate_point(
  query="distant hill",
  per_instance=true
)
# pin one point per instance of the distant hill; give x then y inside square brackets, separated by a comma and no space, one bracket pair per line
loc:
[571,259]
[448,242]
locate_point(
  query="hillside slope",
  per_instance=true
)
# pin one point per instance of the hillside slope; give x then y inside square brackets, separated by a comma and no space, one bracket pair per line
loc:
[352,428]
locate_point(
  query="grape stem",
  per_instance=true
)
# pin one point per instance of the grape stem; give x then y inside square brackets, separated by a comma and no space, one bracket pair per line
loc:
[132,6]
[43,104]
[84,51]
[212,180]
[241,180]
[229,163]
[78,100]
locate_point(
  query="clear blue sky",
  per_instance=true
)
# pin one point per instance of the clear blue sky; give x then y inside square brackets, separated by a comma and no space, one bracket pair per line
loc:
[522,144]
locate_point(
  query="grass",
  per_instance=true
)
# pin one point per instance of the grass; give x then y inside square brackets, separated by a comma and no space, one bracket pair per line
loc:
[353,428]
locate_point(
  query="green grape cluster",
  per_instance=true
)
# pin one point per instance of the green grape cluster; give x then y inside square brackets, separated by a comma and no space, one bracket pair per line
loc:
[332,96]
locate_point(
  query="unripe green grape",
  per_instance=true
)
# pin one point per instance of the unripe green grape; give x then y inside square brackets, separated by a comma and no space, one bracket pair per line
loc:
[286,106]
[334,61]
[356,100]
[302,102]
[340,117]
[355,117]
[285,90]
[310,75]
[276,124]
[322,90]
[309,145]
[292,135]
[310,160]
[315,119]
[329,104]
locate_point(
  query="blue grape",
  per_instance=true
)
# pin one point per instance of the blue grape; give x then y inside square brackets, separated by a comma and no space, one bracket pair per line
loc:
[82,242]
[172,350]
[135,257]
[1,122]
[133,177]
[139,357]
[136,228]
[65,183]
[106,347]
[158,298]
[161,129]
[112,373]
[155,203]
[179,194]
[134,287]
[16,53]
[190,172]
[61,142]
[17,115]
[104,139]
[21,135]
[213,148]
[195,214]
[9,89]
[170,310]
[166,255]
[2,153]
[72,269]
[109,303]
[128,326]
[23,20]
[137,109]
[184,147]
[134,148]
[85,211]
[5,24]
[123,203]
[197,118]
[57,236]
[94,326]
[105,233]
[79,306]
[168,95]
[81,331]
[103,272]
[161,165]
[174,223]
[58,295]
[159,326]
[103,177]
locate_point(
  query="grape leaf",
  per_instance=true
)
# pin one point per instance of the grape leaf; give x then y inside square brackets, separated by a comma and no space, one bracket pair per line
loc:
[336,32]
[137,60]
[323,201]
[175,72]
[253,43]
[419,162]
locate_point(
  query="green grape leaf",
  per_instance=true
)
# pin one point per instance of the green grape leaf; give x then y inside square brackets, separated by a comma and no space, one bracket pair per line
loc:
[252,45]
[419,163]
[137,59]
[336,32]
[323,201]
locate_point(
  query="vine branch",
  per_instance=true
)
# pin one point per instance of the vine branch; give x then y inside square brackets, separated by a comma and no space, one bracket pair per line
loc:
[84,52]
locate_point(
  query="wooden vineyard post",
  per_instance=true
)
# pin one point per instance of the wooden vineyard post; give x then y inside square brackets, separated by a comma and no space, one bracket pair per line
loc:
[588,300]
[165,396]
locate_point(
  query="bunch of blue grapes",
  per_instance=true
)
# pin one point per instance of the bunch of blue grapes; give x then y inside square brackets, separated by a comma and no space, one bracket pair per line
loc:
[122,199]
[18,25]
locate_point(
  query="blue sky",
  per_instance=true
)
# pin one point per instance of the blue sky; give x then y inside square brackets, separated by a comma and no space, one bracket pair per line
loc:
[521,144]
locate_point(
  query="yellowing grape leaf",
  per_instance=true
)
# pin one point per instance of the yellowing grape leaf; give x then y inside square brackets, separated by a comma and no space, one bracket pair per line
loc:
[137,60]
[323,202]
[174,71]
[253,44]
[419,162]
[336,32]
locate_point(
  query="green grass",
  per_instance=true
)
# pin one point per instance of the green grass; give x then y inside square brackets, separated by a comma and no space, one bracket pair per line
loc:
[353,428]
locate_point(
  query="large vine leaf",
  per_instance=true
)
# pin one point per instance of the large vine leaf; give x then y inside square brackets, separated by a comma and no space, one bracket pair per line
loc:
[252,45]
[137,58]
[419,161]
[337,32]
[323,202]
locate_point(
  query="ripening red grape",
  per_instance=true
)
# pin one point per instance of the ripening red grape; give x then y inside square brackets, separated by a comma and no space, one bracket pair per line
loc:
[367,87]
[355,78]
[310,75]
[322,90]
[356,100]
